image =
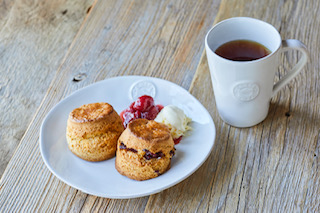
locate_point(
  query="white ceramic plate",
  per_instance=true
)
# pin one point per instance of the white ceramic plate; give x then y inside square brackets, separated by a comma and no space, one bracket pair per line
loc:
[101,178]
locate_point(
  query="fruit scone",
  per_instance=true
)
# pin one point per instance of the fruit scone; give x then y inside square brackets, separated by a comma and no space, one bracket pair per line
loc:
[144,150]
[93,130]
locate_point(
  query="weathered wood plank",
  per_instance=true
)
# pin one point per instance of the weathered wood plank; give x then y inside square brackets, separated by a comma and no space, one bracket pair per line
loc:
[154,38]
[274,165]
[270,167]
[34,38]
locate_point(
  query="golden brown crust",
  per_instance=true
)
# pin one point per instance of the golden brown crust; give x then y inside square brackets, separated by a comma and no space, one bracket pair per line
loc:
[136,168]
[150,131]
[150,135]
[93,131]
[91,112]
[143,137]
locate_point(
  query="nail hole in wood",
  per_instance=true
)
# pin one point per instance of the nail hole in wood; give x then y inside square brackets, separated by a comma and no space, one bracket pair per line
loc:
[79,77]
[64,12]
[288,114]
[88,10]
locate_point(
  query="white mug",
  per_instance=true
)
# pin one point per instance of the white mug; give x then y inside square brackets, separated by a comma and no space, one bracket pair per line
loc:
[243,89]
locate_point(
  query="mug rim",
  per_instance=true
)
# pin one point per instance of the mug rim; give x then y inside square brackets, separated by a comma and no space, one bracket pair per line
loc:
[243,18]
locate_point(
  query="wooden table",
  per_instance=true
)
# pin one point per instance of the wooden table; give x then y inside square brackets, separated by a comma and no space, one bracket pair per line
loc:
[51,48]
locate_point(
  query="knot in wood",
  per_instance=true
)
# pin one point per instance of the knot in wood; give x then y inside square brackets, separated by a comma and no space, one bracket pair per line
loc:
[79,77]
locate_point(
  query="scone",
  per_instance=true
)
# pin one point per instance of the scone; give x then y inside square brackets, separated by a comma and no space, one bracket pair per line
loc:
[93,131]
[144,150]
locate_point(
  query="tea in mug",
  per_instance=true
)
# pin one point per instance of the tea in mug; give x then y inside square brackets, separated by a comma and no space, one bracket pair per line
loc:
[242,50]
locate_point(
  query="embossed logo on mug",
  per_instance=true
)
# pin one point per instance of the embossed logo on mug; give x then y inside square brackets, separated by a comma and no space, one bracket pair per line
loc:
[142,88]
[246,91]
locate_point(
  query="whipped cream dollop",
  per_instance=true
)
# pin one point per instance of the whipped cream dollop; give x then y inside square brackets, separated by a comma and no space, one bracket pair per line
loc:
[175,119]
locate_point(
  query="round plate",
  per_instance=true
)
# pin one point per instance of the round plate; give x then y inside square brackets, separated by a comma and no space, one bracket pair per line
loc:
[101,178]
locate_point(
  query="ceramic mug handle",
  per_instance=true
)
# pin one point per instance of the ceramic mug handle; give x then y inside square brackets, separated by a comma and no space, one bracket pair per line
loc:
[290,44]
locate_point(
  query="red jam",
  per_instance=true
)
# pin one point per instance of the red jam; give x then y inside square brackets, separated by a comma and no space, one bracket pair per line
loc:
[177,140]
[143,107]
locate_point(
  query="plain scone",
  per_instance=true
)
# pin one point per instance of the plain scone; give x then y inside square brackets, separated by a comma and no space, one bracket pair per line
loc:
[144,150]
[93,131]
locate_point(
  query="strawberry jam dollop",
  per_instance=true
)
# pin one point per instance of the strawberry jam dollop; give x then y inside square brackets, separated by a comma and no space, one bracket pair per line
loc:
[143,107]
[177,140]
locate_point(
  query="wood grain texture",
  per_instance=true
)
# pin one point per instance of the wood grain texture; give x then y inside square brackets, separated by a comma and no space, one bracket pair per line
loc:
[271,167]
[34,38]
[154,38]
